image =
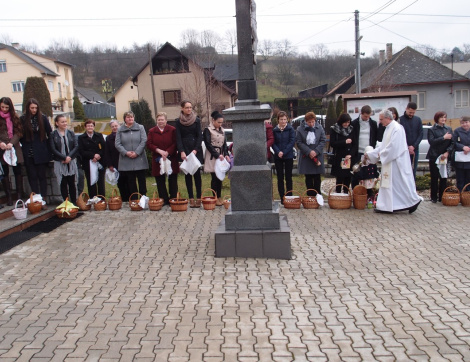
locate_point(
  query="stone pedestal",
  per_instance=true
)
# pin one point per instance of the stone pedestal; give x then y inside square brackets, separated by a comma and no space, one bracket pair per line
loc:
[252,227]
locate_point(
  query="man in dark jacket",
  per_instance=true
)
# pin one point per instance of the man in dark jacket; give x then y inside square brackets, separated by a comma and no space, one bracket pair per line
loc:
[414,133]
[364,134]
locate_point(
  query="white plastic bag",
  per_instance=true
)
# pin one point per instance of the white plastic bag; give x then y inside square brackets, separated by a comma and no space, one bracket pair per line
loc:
[144,202]
[190,165]
[93,172]
[320,200]
[36,198]
[442,167]
[165,167]
[460,156]
[112,177]
[221,168]
[10,157]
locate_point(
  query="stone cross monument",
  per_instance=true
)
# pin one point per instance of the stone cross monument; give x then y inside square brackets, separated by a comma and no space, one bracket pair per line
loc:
[252,227]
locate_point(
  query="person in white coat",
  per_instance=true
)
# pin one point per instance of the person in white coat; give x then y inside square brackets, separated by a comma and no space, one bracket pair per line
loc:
[397,186]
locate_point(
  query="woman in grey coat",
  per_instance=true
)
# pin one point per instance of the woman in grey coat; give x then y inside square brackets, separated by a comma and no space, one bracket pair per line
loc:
[130,143]
[311,140]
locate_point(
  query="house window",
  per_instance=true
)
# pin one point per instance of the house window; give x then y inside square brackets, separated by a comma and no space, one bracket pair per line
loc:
[18,86]
[171,98]
[175,65]
[3,66]
[421,100]
[461,98]
[50,85]
[60,89]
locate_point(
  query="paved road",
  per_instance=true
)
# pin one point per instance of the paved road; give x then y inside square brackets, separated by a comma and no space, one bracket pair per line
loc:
[145,286]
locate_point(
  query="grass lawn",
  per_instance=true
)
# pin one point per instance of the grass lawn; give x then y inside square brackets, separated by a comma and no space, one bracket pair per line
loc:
[298,183]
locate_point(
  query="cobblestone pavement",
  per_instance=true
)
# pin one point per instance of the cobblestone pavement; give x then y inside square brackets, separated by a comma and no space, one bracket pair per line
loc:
[145,286]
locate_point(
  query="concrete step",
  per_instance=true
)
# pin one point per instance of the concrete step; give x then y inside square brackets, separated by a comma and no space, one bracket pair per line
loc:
[9,224]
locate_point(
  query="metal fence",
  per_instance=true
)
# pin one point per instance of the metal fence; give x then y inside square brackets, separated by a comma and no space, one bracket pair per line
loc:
[102,110]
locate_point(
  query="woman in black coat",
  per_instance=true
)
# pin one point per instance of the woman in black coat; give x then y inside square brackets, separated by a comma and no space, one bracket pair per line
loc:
[112,159]
[92,148]
[344,147]
[35,145]
[440,144]
[189,139]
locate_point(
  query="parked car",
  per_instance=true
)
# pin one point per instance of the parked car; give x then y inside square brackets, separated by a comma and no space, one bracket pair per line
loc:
[297,120]
[424,145]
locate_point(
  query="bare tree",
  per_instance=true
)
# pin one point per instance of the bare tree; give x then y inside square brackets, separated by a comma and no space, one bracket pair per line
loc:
[189,36]
[6,39]
[319,51]
[210,39]
[230,39]
[266,49]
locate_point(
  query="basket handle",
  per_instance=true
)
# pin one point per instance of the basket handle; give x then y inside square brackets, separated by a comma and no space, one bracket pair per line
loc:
[213,192]
[226,197]
[292,193]
[155,195]
[102,197]
[114,193]
[130,197]
[464,188]
[16,205]
[31,197]
[305,193]
[81,197]
[349,191]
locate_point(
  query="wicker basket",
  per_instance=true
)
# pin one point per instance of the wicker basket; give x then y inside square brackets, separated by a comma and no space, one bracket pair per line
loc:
[101,205]
[82,200]
[178,204]
[61,214]
[465,196]
[292,202]
[451,196]
[20,212]
[134,204]
[34,206]
[360,197]
[339,201]
[227,201]
[156,203]
[208,202]
[310,202]
[114,201]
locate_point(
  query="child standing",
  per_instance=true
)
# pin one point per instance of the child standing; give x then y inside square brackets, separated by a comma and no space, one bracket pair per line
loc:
[368,173]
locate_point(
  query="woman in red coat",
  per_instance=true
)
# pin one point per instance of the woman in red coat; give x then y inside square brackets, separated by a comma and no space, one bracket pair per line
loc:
[161,141]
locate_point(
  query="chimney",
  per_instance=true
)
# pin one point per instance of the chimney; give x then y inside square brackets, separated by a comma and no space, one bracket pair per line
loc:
[381,57]
[15,45]
[389,52]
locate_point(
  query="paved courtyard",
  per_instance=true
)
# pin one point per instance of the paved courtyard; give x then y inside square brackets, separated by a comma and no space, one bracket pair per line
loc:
[145,286]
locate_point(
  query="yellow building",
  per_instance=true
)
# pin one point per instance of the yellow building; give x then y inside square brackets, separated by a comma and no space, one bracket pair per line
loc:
[17,65]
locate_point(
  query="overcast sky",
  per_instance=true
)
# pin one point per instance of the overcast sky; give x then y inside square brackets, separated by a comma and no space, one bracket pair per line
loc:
[441,24]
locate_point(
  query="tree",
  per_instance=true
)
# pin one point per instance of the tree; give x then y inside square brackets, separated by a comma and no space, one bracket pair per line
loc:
[35,87]
[143,114]
[78,109]
[339,106]
[330,117]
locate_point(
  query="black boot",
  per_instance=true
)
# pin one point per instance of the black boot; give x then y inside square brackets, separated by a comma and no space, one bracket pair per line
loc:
[6,187]
[19,186]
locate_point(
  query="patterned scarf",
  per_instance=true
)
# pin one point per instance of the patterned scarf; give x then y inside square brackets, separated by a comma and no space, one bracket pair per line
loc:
[187,120]
[341,130]
[65,169]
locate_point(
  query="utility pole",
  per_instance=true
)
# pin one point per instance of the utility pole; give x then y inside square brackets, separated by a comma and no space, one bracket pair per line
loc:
[358,53]
[153,85]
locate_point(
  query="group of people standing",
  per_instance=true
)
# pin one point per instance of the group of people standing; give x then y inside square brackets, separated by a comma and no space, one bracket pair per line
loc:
[392,141]
[123,151]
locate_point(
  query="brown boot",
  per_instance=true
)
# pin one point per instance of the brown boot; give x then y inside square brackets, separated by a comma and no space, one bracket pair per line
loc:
[198,203]
[219,202]
[7,189]
[192,203]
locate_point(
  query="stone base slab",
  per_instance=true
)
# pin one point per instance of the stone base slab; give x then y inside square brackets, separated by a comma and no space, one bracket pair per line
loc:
[274,243]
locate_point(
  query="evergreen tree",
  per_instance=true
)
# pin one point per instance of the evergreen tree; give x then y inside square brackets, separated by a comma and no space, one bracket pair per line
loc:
[143,114]
[339,107]
[78,109]
[330,117]
[35,87]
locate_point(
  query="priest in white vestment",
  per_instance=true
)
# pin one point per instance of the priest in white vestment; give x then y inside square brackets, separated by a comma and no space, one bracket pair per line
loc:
[397,186]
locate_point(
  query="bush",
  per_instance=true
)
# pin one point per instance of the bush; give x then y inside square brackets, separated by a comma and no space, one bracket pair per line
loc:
[78,109]
[35,87]
[423,182]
